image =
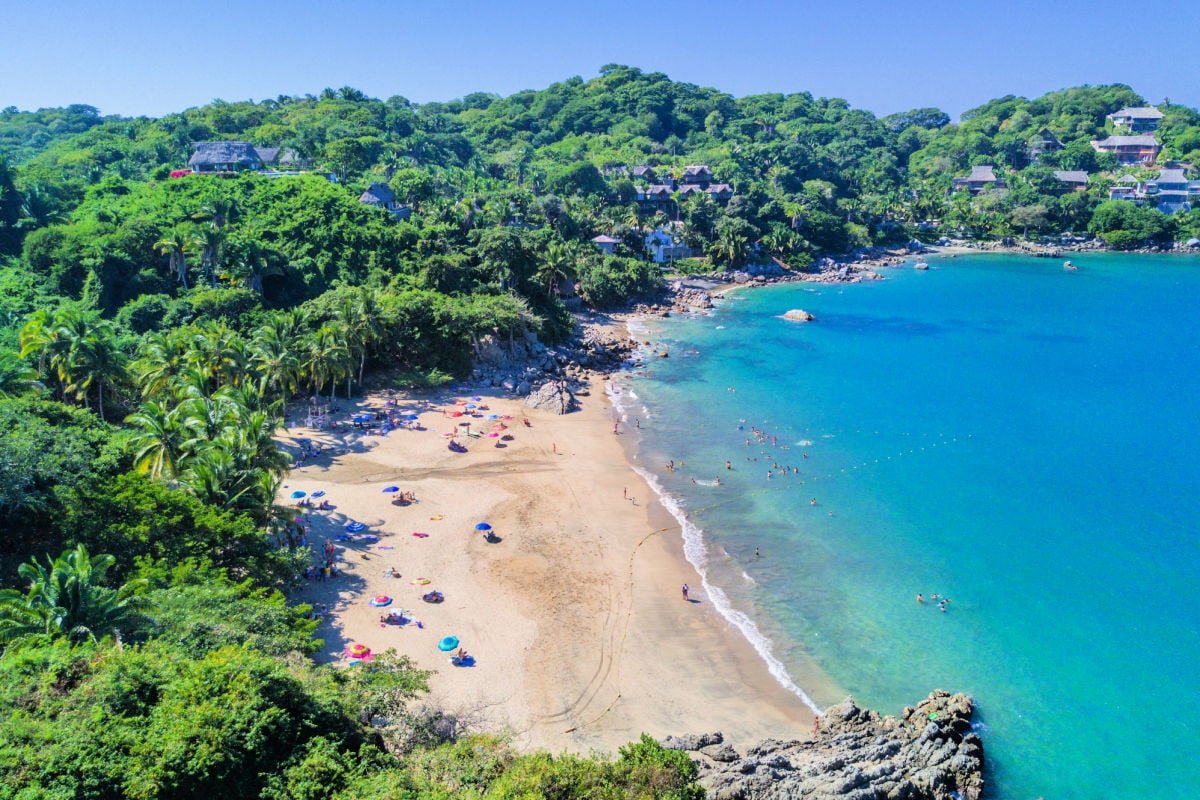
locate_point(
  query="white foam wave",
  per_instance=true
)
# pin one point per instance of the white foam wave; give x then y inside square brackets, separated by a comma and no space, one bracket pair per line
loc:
[696,551]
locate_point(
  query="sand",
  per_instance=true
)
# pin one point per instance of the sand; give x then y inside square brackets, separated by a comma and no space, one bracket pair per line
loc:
[573,611]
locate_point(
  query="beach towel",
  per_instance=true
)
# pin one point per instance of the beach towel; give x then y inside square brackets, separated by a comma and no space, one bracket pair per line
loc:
[421,535]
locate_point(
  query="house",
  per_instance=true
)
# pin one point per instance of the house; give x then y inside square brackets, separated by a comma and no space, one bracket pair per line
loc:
[1169,191]
[664,248]
[1044,142]
[224,157]
[1125,188]
[1140,149]
[698,174]
[656,197]
[606,244]
[279,157]
[689,189]
[981,177]
[1136,120]
[644,172]
[721,192]
[381,195]
[1074,179]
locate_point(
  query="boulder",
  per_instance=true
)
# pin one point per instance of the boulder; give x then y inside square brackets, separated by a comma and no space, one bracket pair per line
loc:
[799,315]
[554,397]
[693,741]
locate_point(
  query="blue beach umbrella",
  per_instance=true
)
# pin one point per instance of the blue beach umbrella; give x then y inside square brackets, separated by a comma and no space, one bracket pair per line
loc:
[493,416]
[483,526]
[355,527]
[391,489]
[412,417]
[320,493]
[296,495]
[363,417]
[448,644]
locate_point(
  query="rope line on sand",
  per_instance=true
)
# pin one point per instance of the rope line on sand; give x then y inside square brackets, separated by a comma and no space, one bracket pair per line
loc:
[620,648]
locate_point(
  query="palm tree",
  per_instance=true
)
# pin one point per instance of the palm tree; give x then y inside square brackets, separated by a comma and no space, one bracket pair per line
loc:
[328,357]
[274,354]
[158,444]
[358,314]
[209,240]
[15,377]
[175,246]
[65,597]
[555,265]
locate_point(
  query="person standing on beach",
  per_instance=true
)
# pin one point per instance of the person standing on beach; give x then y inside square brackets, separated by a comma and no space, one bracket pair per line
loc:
[685,592]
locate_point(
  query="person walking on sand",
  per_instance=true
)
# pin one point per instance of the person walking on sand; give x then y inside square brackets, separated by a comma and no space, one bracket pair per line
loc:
[615,430]
[685,591]
[625,493]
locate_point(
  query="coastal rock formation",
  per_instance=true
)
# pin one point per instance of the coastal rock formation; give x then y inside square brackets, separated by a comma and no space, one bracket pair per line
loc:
[555,397]
[799,315]
[929,753]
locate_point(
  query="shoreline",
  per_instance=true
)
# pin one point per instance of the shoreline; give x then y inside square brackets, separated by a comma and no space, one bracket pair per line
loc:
[575,615]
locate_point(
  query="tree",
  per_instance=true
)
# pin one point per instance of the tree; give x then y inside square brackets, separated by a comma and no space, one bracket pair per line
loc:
[65,597]
[358,313]
[175,246]
[327,358]
[209,241]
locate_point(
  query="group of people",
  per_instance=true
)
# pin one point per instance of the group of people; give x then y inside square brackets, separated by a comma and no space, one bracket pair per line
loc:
[941,601]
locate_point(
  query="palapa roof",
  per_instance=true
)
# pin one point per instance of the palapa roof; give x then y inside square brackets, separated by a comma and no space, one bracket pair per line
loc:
[658,188]
[689,188]
[1071,175]
[230,152]
[692,170]
[1140,112]
[1140,140]
[378,194]
[1127,178]
[720,187]
[984,173]
[642,169]
[1171,176]
[267,155]
[604,238]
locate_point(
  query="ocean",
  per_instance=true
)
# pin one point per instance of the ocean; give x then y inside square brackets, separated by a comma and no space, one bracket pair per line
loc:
[1020,439]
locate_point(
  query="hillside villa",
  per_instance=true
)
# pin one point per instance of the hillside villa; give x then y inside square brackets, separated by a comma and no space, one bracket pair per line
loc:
[1074,179]
[1169,192]
[606,244]
[1140,149]
[381,195]
[981,177]
[1136,120]
[664,247]
[1044,142]
[231,157]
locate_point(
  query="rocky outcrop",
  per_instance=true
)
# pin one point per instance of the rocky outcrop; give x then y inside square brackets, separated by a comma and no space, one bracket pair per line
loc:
[928,753]
[554,397]
[799,315]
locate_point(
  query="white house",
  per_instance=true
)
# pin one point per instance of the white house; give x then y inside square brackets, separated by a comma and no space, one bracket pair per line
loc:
[664,248]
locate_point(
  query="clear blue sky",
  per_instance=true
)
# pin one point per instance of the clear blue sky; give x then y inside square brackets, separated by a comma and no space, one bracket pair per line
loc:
[157,56]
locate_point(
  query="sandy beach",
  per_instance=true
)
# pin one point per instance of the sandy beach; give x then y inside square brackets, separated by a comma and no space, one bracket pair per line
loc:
[573,611]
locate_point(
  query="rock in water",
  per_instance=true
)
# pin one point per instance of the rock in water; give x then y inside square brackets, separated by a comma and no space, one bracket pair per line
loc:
[928,753]
[799,315]
[553,397]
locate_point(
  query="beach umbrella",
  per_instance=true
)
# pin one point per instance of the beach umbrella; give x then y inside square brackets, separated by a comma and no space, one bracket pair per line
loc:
[296,495]
[493,416]
[483,526]
[379,601]
[421,582]
[476,398]
[447,644]
[391,489]
[412,417]
[355,527]
[319,493]
[358,650]
[493,435]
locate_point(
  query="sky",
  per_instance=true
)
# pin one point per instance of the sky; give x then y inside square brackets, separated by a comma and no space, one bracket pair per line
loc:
[151,57]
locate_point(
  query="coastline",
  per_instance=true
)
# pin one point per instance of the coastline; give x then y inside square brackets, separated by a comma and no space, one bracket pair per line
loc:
[575,616]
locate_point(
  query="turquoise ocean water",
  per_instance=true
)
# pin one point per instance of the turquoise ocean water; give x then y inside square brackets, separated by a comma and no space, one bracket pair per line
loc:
[1018,438]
